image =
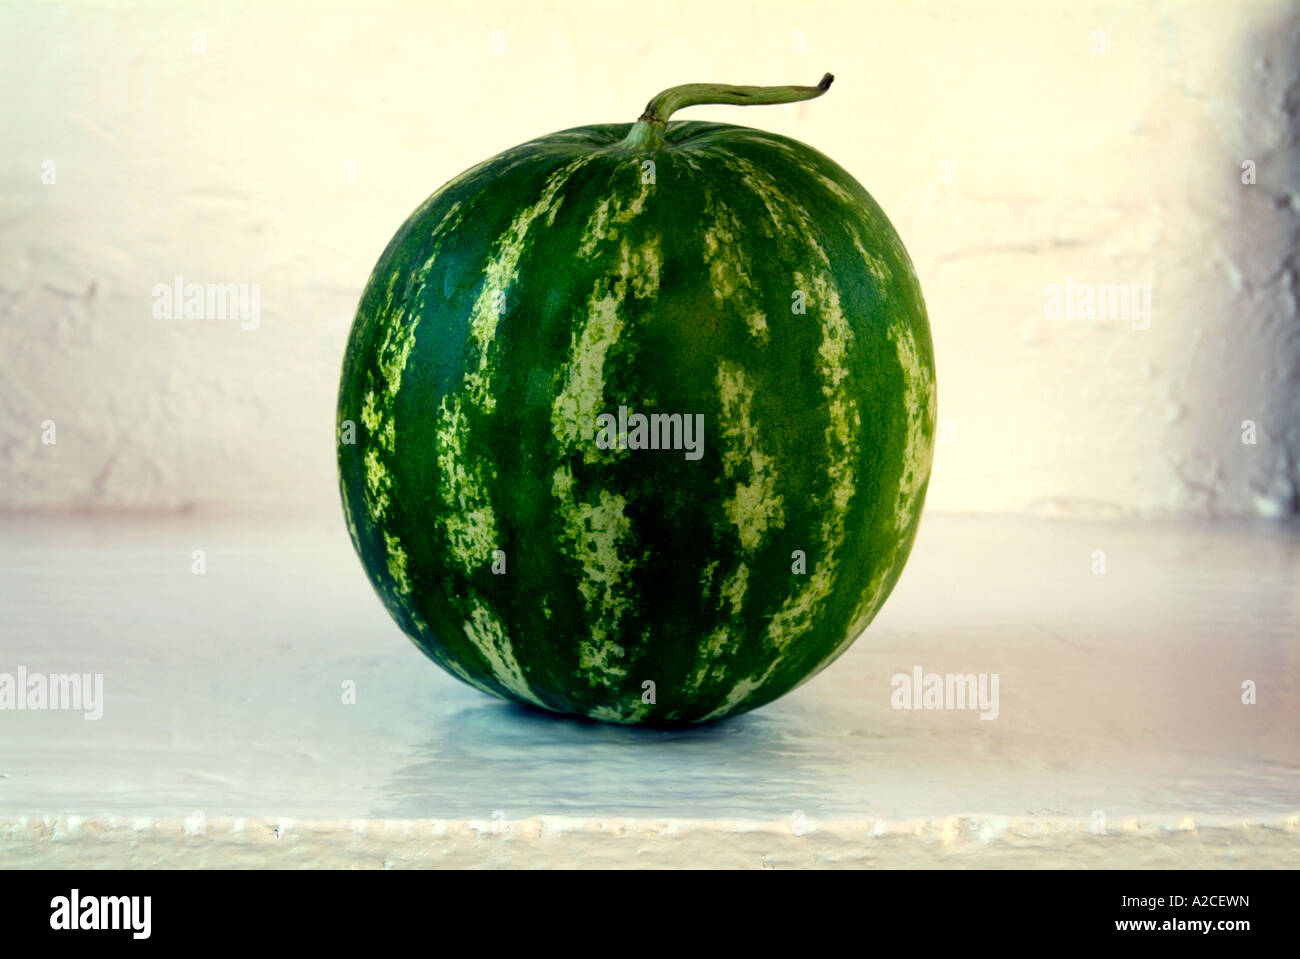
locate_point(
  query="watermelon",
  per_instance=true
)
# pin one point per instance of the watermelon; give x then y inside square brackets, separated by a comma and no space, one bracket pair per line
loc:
[636,420]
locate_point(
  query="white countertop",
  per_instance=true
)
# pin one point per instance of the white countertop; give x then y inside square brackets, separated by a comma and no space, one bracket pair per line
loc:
[1121,737]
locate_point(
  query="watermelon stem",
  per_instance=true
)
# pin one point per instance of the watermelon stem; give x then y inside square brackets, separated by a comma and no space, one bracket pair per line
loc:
[648,131]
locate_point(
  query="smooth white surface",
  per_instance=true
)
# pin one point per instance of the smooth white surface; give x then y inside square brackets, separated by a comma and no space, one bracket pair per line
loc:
[1120,708]
[1009,152]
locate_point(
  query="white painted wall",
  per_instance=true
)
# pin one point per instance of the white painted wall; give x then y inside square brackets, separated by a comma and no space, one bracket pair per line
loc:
[1009,150]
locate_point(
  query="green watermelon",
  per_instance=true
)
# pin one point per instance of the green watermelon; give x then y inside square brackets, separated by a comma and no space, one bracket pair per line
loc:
[636,420]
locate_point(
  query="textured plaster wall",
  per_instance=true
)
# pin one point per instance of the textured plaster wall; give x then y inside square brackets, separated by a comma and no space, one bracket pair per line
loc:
[1014,145]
